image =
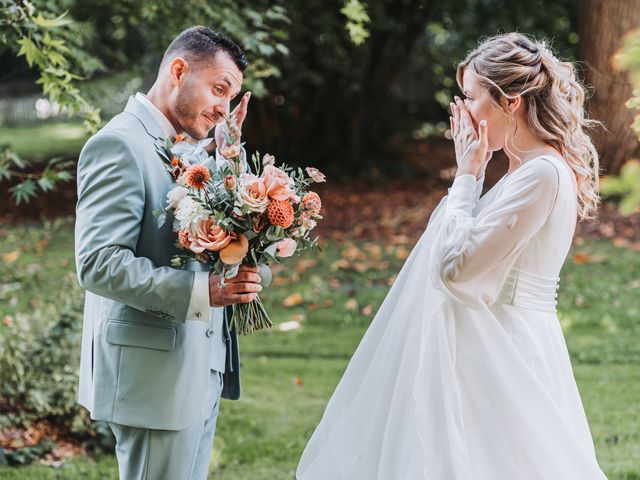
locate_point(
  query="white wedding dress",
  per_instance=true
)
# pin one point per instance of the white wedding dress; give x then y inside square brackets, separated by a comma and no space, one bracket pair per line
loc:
[464,372]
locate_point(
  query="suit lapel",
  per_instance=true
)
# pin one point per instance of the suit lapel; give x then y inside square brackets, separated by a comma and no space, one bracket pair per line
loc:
[151,126]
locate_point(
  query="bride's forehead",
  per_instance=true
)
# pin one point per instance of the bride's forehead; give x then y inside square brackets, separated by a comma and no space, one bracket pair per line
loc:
[469,80]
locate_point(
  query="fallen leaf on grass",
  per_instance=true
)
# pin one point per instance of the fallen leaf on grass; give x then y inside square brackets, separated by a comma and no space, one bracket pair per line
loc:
[305,264]
[360,267]
[298,317]
[10,257]
[351,253]
[620,242]
[340,264]
[297,381]
[351,304]
[367,310]
[581,258]
[292,300]
[280,281]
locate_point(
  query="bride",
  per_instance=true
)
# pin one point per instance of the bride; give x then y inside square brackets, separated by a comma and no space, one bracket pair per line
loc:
[464,372]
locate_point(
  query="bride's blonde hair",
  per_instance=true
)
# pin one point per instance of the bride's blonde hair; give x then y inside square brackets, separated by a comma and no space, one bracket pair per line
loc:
[513,65]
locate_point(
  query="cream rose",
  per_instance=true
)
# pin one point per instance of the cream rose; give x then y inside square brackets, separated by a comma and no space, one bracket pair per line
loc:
[253,193]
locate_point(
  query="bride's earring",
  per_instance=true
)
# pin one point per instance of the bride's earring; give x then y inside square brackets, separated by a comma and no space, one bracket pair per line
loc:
[510,140]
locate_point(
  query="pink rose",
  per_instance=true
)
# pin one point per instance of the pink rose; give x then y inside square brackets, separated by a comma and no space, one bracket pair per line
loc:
[209,236]
[286,247]
[279,184]
[315,174]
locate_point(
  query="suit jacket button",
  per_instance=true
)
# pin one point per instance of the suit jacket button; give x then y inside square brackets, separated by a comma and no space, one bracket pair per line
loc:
[209,332]
[197,314]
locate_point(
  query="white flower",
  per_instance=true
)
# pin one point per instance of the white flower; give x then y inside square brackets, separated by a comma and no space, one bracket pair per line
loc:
[175,195]
[190,213]
[268,160]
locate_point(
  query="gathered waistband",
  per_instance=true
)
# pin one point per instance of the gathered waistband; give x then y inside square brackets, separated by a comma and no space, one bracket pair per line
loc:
[530,290]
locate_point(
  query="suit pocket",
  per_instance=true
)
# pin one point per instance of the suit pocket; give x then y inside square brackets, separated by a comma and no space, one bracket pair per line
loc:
[137,335]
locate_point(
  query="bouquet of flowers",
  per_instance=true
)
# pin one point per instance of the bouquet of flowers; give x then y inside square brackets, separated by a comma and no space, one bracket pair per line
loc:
[226,216]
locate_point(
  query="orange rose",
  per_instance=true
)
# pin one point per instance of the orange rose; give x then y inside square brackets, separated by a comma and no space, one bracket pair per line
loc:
[209,236]
[236,251]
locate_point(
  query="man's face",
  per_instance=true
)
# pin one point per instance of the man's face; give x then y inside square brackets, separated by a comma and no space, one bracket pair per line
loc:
[202,94]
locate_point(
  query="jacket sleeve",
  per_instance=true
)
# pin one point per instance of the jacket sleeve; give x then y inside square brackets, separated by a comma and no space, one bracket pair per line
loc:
[470,248]
[109,211]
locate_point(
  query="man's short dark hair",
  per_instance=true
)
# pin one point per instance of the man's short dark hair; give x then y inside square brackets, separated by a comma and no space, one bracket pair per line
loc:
[200,44]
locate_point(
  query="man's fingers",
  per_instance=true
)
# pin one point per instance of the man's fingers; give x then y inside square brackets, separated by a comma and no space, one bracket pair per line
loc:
[241,110]
[236,288]
[243,277]
[248,268]
[245,298]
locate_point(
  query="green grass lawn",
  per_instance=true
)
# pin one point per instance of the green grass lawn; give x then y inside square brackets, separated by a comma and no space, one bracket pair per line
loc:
[289,376]
[40,142]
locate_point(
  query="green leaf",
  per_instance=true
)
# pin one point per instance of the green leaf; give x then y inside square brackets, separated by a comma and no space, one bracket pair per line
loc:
[51,22]
[23,191]
[30,51]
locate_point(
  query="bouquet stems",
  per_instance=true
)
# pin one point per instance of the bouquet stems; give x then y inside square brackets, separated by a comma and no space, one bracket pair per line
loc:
[250,317]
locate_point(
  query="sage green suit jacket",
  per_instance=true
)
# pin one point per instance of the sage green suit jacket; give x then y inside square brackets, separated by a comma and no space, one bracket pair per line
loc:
[142,364]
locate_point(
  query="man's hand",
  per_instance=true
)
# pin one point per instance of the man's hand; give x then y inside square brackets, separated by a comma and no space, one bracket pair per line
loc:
[242,288]
[240,113]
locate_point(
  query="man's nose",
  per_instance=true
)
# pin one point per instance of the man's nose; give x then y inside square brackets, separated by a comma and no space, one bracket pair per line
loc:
[222,109]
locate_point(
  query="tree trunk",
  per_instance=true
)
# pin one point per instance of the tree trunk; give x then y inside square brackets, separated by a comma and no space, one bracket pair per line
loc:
[602,24]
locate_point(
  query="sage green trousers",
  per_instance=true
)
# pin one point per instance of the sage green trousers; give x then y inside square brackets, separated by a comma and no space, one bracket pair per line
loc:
[145,454]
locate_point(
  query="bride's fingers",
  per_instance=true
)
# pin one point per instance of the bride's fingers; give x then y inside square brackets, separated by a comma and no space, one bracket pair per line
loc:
[483,138]
[466,123]
[456,120]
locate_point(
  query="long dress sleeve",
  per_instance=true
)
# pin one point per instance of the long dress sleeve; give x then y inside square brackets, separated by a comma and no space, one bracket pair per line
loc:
[470,248]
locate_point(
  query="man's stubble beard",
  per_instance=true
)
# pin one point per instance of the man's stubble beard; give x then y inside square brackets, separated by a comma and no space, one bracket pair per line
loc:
[183,111]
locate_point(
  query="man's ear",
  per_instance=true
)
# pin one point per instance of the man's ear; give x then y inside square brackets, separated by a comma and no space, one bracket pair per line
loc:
[177,70]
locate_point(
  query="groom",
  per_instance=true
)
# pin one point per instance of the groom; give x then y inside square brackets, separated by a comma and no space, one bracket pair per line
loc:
[157,352]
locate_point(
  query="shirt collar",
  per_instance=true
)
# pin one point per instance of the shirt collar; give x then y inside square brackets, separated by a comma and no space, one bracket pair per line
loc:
[167,128]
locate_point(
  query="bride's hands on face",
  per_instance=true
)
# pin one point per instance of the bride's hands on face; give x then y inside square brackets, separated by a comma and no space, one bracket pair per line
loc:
[471,147]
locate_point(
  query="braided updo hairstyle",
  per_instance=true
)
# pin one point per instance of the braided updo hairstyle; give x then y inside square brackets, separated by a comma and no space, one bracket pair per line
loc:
[513,65]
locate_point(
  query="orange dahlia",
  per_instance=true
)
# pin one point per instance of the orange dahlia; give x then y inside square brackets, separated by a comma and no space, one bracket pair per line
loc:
[311,201]
[280,212]
[198,176]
